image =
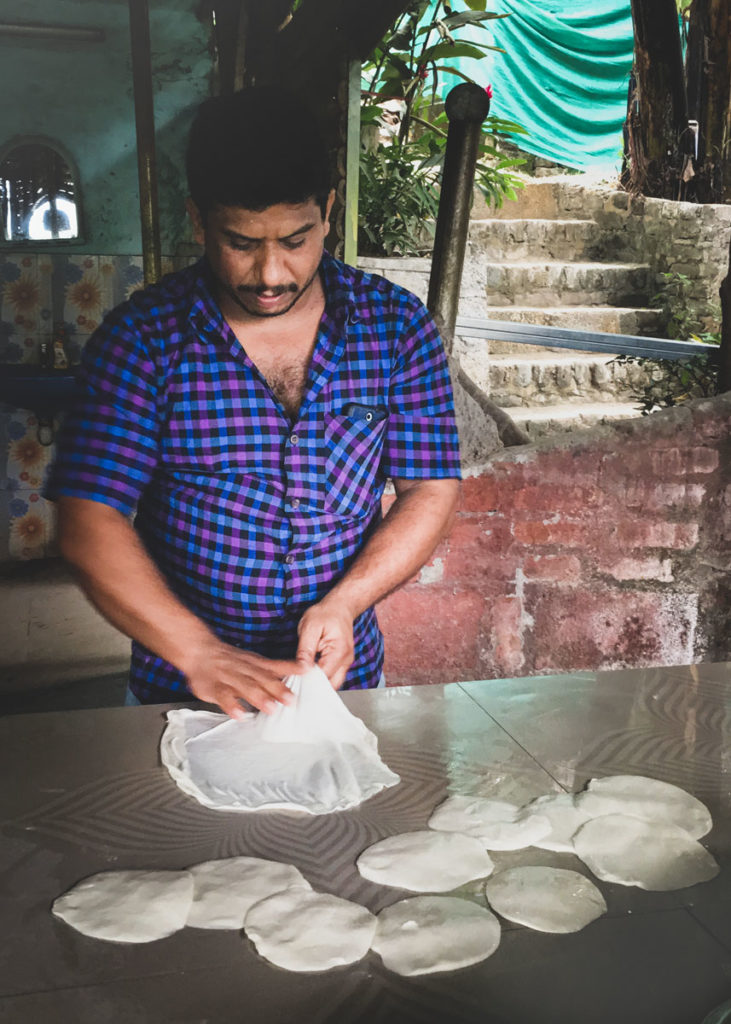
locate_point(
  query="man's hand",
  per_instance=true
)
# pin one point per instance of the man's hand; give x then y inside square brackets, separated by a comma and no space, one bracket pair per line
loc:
[221,674]
[326,629]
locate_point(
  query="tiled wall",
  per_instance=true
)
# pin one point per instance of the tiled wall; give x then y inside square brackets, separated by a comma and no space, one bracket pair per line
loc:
[38,294]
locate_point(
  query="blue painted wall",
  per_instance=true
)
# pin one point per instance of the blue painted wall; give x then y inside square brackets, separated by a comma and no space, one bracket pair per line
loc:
[81,94]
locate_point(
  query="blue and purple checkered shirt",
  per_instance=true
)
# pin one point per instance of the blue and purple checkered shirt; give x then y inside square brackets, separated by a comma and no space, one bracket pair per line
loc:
[252,518]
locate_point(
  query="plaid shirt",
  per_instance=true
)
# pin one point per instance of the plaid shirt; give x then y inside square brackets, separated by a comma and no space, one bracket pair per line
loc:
[252,518]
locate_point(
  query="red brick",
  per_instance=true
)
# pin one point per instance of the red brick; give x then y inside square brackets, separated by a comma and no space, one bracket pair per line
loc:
[666,462]
[641,534]
[480,493]
[657,569]
[557,497]
[604,628]
[431,635]
[561,533]
[558,568]
[703,460]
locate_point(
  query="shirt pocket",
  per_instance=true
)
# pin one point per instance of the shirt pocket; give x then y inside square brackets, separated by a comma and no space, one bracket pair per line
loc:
[353,449]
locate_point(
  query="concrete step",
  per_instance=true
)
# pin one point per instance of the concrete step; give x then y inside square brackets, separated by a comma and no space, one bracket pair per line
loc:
[552,282]
[564,419]
[555,239]
[539,198]
[607,319]
[540,377]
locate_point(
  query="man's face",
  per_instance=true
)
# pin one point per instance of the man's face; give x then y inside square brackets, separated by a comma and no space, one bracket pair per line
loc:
[263,261]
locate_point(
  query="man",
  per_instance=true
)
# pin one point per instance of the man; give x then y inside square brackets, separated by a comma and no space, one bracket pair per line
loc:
[250,409]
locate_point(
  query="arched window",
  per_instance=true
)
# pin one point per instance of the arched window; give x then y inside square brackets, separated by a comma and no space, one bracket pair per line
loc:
[38,193]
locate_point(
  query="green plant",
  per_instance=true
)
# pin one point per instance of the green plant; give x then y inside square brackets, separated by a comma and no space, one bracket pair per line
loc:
[406,66]
[398,201]
[671,382]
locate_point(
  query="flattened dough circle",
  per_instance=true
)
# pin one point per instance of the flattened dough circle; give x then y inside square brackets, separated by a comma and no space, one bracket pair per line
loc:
[497,824]
[128,906]
[546,899]
[648,799]
[223,890]
[425,934]
[425,861]
[302,930]
[629,851]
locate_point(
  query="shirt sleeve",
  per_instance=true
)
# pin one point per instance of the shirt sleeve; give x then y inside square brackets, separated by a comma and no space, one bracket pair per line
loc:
[421,438]
[108,445]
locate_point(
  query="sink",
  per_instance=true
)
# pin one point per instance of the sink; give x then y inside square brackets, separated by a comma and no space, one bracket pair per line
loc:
[44,392]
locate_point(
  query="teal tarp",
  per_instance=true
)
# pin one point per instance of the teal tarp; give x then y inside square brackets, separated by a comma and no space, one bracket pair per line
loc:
[563,76]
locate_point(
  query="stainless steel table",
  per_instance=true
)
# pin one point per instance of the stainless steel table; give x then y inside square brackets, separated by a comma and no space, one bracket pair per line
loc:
[83,792]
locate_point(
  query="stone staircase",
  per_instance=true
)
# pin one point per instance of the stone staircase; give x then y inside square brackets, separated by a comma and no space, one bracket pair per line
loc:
[565,256]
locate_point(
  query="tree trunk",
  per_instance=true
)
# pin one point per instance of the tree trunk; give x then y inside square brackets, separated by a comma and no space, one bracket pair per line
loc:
[709,94]
[658,143]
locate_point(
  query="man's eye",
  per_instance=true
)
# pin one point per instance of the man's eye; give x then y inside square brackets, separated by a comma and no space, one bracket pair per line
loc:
[241,246]
[289,244]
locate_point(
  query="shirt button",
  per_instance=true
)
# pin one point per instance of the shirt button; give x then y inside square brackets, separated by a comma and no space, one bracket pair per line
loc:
[294,503]
[294,439]
[289,559]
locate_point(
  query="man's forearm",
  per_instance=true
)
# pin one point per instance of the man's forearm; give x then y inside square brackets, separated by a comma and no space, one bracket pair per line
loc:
[123,582]
[416,522]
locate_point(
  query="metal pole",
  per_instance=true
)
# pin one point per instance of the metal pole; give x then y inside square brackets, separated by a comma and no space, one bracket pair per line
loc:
[467,106]
[139,23]
[352,165]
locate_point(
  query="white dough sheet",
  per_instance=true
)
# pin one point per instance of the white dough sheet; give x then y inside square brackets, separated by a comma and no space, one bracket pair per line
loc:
[647,799]
[547,899]
[224,890]
[497,824]
[128,906]
[312,755]
[427,934]
[425,861]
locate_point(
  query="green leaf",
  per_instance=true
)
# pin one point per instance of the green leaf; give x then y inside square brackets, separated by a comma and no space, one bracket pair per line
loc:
[476,5]
[442,50]
[471,18]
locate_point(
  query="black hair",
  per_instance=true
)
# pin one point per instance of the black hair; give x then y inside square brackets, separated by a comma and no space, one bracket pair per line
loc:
[256,148]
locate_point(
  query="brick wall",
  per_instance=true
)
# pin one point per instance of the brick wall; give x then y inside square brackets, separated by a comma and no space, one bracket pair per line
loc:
[607,550]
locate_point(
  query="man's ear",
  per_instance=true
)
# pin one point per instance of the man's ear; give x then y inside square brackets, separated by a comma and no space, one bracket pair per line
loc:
[328,209]
[199,231]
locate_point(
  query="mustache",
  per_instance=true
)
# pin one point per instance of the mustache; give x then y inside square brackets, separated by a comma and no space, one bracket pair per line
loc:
[280,289]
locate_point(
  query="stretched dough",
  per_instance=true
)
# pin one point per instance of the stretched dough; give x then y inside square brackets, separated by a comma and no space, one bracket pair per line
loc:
[648,799]
[425,934]
[310,756]
[497,824]
[629,851]
[564,817]
[302,930]
[128,906]
[546,899]
[425,861]
[224,890]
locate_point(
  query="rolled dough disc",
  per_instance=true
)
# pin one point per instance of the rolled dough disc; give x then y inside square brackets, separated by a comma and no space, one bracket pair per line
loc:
[425,861]
[564,817]
[629,851]
[128,906]
[302,930]
[648,799]
[497,824]
[546,899]
[224,890]
[425,934]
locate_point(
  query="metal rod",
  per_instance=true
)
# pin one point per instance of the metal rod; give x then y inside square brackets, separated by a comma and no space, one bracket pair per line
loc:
[352,165]
[38,30]
[467,106]
[139,23]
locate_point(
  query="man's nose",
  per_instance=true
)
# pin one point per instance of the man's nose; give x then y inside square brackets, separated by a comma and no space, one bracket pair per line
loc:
[270,270]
